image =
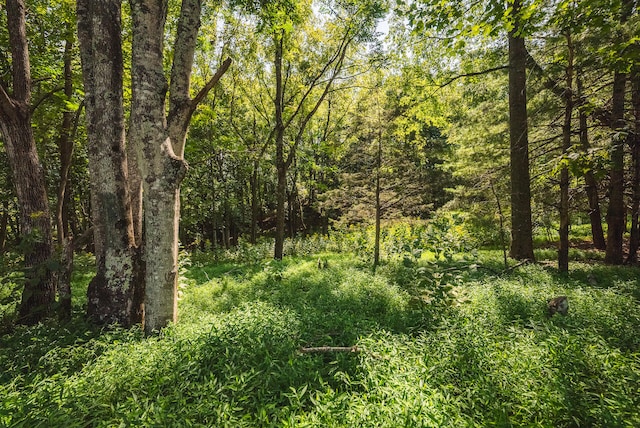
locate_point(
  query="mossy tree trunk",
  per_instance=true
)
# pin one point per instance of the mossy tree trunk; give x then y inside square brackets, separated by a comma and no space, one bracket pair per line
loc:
[158,140]
[110,293]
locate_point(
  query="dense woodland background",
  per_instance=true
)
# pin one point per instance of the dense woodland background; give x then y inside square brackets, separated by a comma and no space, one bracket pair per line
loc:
[305,118]
[405,114]
[407,181]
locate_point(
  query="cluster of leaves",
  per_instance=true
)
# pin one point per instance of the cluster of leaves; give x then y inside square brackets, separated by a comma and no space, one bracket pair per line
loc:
[12,280]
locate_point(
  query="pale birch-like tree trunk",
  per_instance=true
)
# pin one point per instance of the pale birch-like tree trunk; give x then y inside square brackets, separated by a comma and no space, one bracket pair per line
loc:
[162,170]
[158,143]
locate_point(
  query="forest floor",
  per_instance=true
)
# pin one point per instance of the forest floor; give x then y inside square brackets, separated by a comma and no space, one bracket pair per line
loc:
[458,343]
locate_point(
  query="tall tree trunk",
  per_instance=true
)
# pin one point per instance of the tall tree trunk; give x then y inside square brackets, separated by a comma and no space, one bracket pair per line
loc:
[161,168]
[376,247]
[591,184]
[521,225]
[616,221]
[110,293]
[563,250]
[325,77]
[281,166]
[159,143]
[634,239]
[214,222]
[615,210]
[27,173]
[65,148]
[255,207]
[4,225]
[292,203]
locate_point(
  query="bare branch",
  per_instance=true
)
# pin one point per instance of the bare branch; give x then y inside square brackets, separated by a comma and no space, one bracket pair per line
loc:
[210,84]
[44,97]
[338,56]
[336,70]
[6,101]
[602,115]
[475,73]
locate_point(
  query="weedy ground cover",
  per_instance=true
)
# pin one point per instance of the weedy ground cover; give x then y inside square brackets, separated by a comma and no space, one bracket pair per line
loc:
[444,338]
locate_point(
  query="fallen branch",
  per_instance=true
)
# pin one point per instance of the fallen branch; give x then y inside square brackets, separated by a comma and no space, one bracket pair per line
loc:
[516,266]
[330,349]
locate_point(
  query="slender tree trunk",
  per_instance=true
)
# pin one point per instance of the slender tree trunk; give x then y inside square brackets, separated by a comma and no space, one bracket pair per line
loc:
[563,250]
[521,225]
[616,221]
[376,247]
[226,230]
[591,185]
[65,147]
[330,72]
[214,221]
[111,292]
[281,191]
[27,173]
[65,144]
[634,239]
[502,231]
[4,225]
[281,166]
[615,210]
[255,207]
[292,203]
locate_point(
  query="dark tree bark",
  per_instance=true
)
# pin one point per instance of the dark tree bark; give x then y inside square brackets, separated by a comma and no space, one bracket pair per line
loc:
[329,73]
[65,148]
[4,225]
[27,173]
[254,184]
[591,184]
[634,137]
[521,225]
[376,248]
[615,210]
[110,293]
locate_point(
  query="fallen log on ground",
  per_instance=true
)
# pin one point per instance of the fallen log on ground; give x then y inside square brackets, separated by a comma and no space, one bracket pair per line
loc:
[319,349]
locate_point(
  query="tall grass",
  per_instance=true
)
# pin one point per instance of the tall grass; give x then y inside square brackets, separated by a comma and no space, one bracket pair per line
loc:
[443,341]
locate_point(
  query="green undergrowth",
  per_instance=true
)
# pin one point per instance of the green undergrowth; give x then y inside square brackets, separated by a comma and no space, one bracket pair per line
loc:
[455,342]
